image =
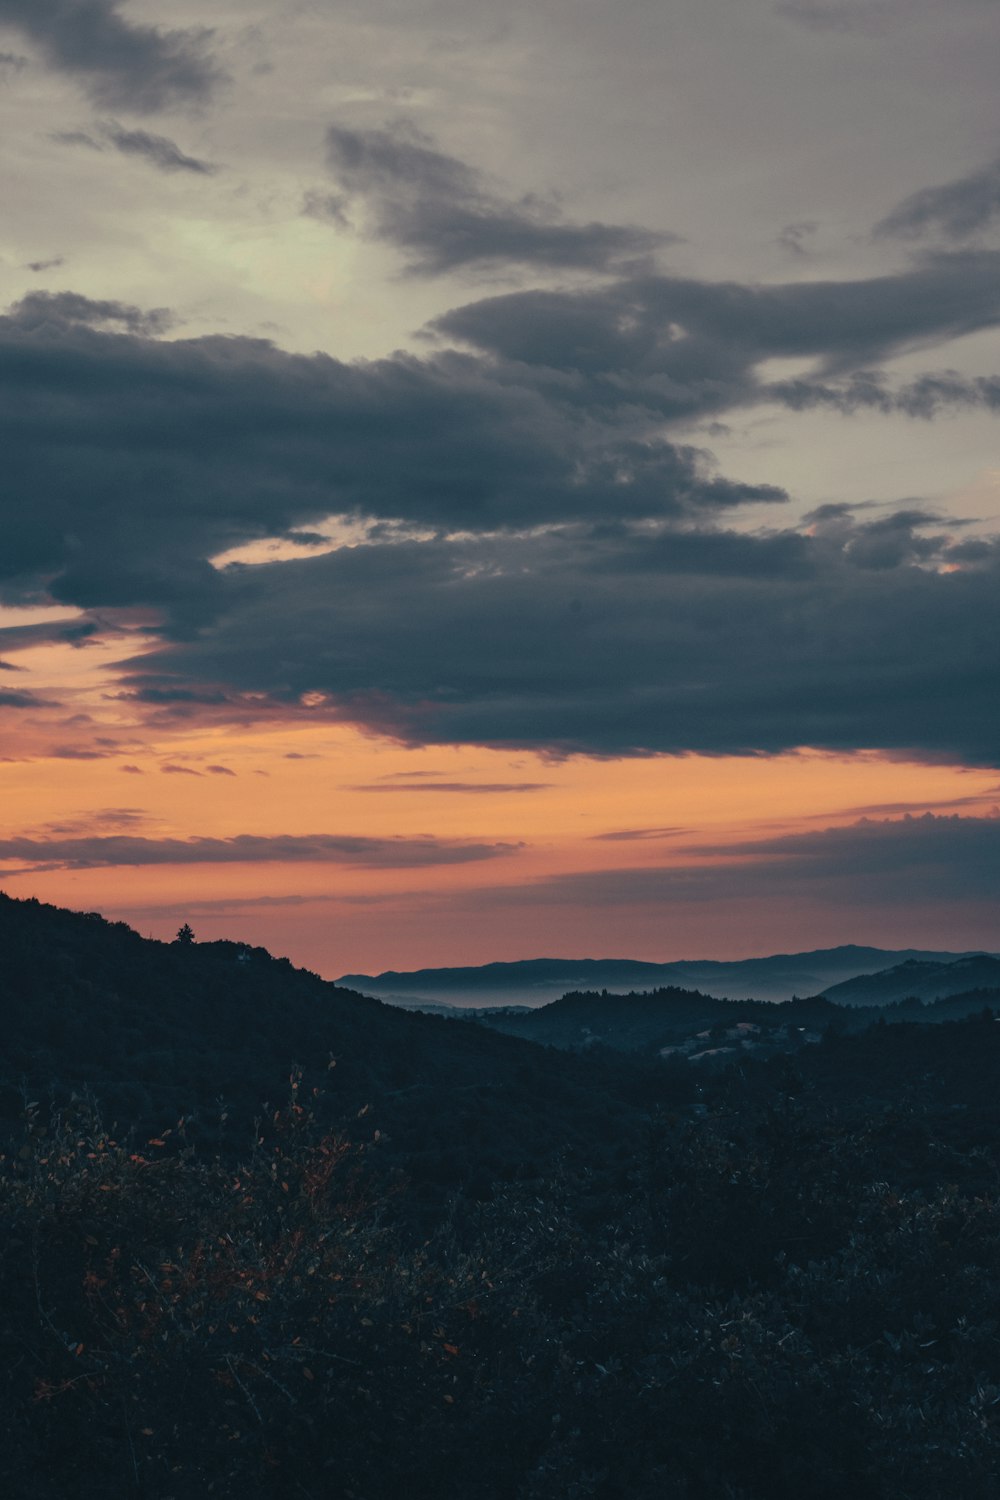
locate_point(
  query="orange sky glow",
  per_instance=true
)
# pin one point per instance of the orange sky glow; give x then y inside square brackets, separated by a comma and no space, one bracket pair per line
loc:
[95,767]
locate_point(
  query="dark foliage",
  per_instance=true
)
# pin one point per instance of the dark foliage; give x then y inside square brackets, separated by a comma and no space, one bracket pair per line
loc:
[757,1283]
[208,1031]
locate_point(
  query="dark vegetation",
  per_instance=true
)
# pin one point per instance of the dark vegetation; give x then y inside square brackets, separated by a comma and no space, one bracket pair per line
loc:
[459,1264]
[704,1027]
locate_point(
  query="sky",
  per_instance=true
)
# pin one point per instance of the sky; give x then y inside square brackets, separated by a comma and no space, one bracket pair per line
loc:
[489,483]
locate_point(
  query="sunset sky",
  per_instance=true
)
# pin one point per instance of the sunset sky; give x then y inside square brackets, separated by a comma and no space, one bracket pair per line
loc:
[490,481]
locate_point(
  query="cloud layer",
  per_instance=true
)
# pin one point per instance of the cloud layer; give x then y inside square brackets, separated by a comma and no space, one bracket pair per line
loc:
[926,862]
[604,644]
[543,567]
[108,850]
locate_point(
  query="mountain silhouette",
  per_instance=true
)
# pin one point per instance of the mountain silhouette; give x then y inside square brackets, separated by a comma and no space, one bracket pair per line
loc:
[536,981]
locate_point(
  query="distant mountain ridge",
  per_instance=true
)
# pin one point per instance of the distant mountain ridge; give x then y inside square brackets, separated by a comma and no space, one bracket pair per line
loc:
[538,981]
[919,979]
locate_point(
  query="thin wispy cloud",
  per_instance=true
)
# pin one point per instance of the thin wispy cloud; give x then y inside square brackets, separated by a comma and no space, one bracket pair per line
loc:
[482,788]
[105,851]
[158,150]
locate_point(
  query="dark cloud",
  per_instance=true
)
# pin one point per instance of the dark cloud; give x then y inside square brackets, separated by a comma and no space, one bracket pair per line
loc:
[159,150]
[227,439]
[929,860]
[445,215]
[925,858]
[172,770]
[11,699]
[219,771]
[64,311]
[558,415]
[11,63]
[955,209]
[132,770]
[853,636]
[575,586]
[690,347]
[121,64]
[45,265]
[326,848]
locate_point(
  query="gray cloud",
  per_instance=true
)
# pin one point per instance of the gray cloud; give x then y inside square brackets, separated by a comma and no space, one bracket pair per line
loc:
[121,64]
[65,310]
[159,150]
[924,397]
[575,587]
[370,853]
[228,439]
[445,214]
[557,415]
[45,265]
[955,209]
[689,346]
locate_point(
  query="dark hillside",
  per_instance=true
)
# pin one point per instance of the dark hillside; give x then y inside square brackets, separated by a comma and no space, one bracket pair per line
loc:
[649,1020]
[156,1031]
[475,1268]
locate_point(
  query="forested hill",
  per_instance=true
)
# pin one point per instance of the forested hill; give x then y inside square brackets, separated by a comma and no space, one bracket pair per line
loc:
[670,1021]
[156,1031]
[471,1267]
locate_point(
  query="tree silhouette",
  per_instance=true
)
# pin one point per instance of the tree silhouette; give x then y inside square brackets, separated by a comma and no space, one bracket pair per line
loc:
[185,934]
